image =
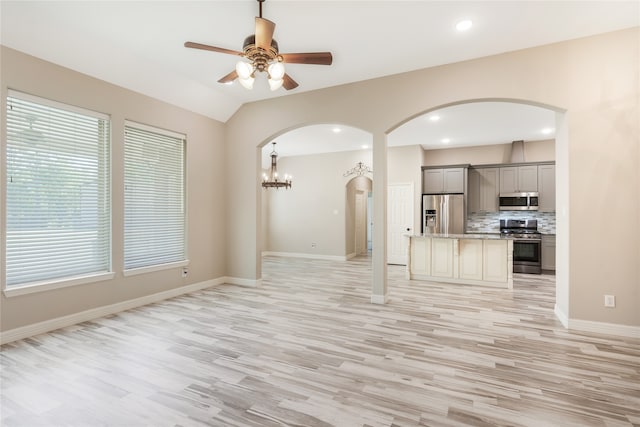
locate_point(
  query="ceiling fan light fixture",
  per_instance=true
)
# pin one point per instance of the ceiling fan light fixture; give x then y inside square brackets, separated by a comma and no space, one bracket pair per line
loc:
[276,71]
[247,83]
[261,52]
[275,84]
[244,70]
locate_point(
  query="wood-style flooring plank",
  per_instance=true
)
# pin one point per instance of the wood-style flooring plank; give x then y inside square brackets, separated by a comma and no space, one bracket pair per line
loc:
[309,349]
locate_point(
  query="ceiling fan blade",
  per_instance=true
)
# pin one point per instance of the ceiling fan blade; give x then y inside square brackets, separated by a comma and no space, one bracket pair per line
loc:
[289,83]
[229,77]
[212,48]
[315,58]
[264,33]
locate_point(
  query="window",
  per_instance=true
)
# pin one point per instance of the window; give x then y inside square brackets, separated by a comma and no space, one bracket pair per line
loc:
[154,206]
[57,193]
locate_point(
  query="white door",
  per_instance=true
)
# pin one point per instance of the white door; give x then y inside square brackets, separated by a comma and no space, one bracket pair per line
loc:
[399,221]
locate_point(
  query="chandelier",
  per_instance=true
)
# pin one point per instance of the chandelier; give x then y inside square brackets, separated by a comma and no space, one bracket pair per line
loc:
[272,181]
[359,170]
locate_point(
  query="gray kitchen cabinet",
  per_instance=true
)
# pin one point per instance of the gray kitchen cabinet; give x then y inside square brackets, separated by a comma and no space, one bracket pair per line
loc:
[484,189]
[546,188]
[473,190]
[548,252]
[443,180]
[432,181]
[518,179]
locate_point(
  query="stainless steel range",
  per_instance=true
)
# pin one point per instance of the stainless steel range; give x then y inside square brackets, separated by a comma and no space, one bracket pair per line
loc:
[527,244]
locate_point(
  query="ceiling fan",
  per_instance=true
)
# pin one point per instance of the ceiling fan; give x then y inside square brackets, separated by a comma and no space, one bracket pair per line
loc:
[262,52]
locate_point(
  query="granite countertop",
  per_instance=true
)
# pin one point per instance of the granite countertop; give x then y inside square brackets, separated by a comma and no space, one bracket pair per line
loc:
[486,236]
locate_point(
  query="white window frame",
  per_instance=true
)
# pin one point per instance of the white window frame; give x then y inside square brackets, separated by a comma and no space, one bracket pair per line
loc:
[131,271]
[60,282]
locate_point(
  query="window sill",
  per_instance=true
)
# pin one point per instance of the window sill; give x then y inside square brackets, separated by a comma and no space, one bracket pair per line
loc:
[49,285]
[152,268]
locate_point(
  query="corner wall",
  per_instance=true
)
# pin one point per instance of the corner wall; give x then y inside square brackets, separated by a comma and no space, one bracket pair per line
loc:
[206,175]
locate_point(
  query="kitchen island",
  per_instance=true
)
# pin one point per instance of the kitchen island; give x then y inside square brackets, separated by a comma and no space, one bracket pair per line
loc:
[472,259]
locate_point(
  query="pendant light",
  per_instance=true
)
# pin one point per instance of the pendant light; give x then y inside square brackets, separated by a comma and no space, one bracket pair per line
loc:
[272,181]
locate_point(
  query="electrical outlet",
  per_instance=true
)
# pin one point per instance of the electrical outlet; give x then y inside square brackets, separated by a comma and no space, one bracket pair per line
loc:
[609,301]
[313,245]
[185,271]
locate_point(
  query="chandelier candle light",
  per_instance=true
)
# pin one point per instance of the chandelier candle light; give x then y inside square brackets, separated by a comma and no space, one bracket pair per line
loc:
[272,181]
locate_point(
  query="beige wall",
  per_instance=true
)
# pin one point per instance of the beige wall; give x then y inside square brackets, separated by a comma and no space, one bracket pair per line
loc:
[206,174]
[595,80]
[534,151]
[314,209]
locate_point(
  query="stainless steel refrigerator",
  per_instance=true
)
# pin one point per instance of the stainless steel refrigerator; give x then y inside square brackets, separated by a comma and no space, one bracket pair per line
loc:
[443,213]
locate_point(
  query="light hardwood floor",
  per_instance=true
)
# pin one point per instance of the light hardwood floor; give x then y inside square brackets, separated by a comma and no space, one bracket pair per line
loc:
[308,349]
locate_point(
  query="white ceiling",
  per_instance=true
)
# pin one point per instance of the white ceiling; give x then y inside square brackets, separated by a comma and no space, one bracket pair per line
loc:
[139,44]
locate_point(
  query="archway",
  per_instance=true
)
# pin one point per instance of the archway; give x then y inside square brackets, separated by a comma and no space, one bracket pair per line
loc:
[357,214]
[558,221]
[310,219]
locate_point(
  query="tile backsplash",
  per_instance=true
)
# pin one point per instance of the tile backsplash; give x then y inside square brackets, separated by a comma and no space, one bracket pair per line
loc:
[489,222]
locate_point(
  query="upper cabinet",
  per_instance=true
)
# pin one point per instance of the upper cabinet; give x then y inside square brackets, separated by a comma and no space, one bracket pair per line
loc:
[484,189]
[443,180]
[546,188]
[518,179]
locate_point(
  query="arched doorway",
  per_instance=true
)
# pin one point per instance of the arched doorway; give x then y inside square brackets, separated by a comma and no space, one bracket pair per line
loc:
[314,218]
[442,150]
[357,216]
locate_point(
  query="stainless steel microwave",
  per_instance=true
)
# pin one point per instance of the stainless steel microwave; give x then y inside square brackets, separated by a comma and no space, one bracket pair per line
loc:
[519,201]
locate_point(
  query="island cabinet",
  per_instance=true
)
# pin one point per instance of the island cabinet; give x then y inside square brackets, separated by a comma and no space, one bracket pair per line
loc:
[442,257]
[461,258]
[443,180]
[519,179]
[484,190]
[471,259]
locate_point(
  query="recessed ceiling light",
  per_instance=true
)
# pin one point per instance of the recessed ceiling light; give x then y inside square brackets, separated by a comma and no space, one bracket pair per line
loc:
[547,131]
[337,130]
[464,25]
[434,118]
[364,147]
[446,140]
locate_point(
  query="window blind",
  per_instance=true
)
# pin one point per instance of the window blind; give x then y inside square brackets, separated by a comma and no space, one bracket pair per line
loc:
[154,218]
[57,191]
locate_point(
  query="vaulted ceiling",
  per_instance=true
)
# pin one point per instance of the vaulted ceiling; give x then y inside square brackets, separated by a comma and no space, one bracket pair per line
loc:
[139,45]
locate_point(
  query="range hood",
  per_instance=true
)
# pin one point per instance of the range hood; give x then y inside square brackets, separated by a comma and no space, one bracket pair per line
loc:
[517,152]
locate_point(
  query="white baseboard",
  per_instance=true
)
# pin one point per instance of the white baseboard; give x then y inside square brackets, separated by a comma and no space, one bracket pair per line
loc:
[305,255]
[604,328]
[94,313]
[349,256]
[561,315]
[252,283]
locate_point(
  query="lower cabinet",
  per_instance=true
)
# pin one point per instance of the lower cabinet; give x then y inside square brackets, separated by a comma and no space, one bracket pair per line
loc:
[470,262]
[548,252]
[495,261]
[420,253]
[442,257]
